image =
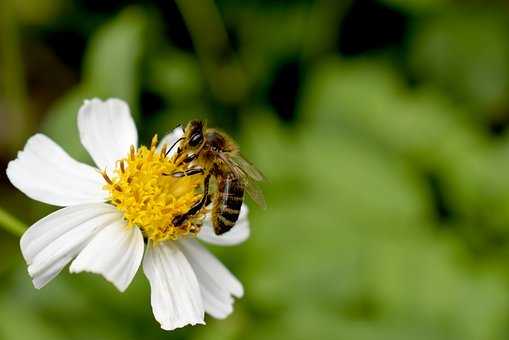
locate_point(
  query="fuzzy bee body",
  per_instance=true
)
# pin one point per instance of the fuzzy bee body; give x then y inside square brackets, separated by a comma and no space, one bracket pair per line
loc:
[215,154]
[227,203]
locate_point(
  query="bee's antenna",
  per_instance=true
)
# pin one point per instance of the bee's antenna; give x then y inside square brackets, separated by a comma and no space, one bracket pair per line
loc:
[176,142]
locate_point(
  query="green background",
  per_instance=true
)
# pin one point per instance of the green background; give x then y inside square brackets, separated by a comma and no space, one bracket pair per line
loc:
[381,126]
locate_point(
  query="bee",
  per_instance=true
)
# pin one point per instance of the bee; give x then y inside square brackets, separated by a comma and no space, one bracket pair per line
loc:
[215,155]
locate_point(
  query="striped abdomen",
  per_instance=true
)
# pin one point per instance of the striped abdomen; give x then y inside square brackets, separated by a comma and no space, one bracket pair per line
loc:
[227,202]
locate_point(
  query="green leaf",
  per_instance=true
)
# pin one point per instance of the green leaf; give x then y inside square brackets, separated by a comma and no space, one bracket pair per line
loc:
[418,6]
[112,61]
[451,50]
[176,76]
[112,69]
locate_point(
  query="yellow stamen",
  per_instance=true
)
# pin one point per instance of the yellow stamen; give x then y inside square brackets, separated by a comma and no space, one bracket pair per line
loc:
[106,177]
[163,151]
[150,199]
[153,145]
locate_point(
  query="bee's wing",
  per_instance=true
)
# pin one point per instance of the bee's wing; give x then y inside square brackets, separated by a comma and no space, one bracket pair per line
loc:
[247,167]
[255,192]
[249,174]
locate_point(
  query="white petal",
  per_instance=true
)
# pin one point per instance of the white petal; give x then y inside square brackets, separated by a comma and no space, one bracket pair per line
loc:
[55,240]
[217,304]
[46,173]
[170,140]
[216,282]
[238,234]
[115,253]
[175,293]
[107,131]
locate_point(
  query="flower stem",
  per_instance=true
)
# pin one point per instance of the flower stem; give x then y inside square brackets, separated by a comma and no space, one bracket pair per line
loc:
[12,78]
[221,67]
[11,224]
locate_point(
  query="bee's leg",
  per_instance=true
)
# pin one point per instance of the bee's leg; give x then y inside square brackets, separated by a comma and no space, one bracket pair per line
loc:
[188,172]
[180,219]
[208,200]
[189,158]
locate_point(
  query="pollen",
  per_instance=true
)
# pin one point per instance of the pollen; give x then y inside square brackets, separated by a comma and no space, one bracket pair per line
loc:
[149,197]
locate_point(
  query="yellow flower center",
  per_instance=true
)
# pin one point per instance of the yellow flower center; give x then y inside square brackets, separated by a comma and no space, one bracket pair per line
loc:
[143,189]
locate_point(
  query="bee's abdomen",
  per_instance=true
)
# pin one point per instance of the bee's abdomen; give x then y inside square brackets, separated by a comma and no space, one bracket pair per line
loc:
[227,203]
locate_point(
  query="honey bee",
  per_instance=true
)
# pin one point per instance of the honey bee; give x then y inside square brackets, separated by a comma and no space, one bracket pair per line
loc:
[214,154]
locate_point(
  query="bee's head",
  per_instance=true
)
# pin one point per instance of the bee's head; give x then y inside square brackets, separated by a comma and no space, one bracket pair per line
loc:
[193,135]
[192,141]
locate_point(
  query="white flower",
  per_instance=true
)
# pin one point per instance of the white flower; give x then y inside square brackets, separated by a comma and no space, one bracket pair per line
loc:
[110,210]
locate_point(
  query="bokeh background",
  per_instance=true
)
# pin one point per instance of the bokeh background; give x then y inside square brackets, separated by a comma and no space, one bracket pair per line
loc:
[381,125]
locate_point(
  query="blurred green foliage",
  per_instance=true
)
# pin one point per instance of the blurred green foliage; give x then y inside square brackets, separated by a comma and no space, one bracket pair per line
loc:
[387,159]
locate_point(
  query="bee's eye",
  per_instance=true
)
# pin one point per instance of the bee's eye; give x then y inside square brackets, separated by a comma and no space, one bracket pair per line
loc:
[196,139]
